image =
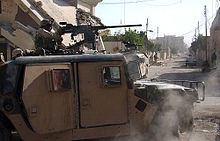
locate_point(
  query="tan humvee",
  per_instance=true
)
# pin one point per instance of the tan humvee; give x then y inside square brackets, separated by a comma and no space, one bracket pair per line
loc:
[74,97]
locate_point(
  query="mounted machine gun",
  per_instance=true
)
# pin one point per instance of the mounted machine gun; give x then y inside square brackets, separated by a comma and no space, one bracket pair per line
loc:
[90,32]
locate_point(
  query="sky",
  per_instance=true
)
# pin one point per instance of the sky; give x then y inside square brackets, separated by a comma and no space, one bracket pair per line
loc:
[172,17]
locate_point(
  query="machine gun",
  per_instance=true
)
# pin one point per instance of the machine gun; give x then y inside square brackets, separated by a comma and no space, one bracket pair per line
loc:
[90,32]
[130,46]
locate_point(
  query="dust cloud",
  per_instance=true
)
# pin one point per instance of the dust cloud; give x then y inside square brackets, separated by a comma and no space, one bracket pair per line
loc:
[212,82]
[166,125]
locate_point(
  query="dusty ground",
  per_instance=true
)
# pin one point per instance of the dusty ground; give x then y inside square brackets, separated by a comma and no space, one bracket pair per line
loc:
[206,113]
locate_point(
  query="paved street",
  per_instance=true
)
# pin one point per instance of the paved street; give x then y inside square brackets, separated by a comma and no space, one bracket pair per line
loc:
[207,113]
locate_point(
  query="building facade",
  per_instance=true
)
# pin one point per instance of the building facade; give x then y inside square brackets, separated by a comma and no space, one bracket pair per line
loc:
[29,13]
[214,47]
[170,45]
[172,42]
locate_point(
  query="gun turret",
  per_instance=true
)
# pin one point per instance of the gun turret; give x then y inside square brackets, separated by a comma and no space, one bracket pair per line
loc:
[90,32]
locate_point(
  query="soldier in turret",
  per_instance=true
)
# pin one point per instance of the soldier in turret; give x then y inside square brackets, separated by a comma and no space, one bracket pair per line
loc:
[2,60]
[45,40]
[17,53]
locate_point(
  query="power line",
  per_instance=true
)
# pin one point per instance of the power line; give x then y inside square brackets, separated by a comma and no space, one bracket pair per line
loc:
[171,4]
[193,30]
[131,2]
[142,1]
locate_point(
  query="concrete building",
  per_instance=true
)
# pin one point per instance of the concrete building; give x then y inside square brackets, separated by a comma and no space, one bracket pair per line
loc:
[175,43]
[214,48]
[170,45]
[29,13]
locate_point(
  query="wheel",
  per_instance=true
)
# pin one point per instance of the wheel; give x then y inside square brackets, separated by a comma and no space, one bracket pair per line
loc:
[5,134]
[186,120]
[164,125]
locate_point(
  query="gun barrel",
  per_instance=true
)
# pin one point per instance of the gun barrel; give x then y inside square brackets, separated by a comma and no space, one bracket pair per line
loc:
[118,26]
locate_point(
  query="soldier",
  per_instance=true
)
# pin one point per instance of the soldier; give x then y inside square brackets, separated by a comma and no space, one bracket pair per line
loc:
[17,53]
[45,39]
[2,60]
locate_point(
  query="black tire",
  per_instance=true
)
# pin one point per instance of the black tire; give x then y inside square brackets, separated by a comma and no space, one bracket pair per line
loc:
[5,133]
[162,126]
[186,120]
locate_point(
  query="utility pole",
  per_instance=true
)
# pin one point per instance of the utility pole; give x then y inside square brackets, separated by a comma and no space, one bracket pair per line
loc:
[146,41]
[124,11]
[206,37]
[146,27]
[198,28]
[195,34]
[157,32]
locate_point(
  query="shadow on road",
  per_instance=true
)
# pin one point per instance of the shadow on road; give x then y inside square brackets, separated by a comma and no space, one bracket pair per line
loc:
[186,67]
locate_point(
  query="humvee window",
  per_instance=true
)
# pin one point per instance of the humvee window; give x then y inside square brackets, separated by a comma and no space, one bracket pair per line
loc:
[134,70]
[61,79]
[111,76]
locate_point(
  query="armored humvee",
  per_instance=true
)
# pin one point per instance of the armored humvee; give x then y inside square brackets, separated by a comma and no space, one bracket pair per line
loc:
[75,97]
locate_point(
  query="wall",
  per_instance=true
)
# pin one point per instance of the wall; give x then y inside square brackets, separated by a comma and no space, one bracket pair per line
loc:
[215,39]
[171,42]
[114,46]
[8,11]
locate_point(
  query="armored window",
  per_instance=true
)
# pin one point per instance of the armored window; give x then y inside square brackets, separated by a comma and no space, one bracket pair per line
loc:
[134,70]
[61,79]
[111,76]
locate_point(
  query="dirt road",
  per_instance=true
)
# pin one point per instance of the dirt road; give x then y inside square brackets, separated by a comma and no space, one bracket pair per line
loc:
[207,113]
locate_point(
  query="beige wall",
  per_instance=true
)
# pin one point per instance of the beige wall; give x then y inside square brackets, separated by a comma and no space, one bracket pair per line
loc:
[84,6]
[88,5]
[214,45]
[9,11]
[114,47]
[8,15]
[31,12]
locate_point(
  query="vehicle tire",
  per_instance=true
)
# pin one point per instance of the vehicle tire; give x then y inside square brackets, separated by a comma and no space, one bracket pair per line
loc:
[164,127]
[186,120]
[5,134]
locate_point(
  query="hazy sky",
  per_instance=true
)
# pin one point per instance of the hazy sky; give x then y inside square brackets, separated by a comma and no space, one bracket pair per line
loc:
[173,17]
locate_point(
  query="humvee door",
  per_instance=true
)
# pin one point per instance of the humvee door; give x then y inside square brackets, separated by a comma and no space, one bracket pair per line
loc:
[48,97]
[102,94]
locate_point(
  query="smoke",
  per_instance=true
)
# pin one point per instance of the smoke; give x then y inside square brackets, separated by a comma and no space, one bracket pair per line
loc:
[166,125]
[212,81]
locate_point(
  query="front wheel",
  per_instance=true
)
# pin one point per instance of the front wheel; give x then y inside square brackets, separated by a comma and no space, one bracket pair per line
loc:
[186,120]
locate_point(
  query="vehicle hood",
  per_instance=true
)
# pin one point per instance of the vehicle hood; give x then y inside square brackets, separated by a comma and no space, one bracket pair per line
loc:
[156,92]
[159,85]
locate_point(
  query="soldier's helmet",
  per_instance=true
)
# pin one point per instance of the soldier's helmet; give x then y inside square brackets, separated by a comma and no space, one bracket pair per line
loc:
[46,22]
[17,53]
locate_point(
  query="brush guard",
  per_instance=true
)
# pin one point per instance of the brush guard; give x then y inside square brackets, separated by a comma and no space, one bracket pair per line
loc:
[186,83]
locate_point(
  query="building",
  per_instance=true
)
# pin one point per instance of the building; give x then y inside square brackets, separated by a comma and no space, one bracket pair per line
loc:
[175,43]
[214,47]
[170,45]
[29,13]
